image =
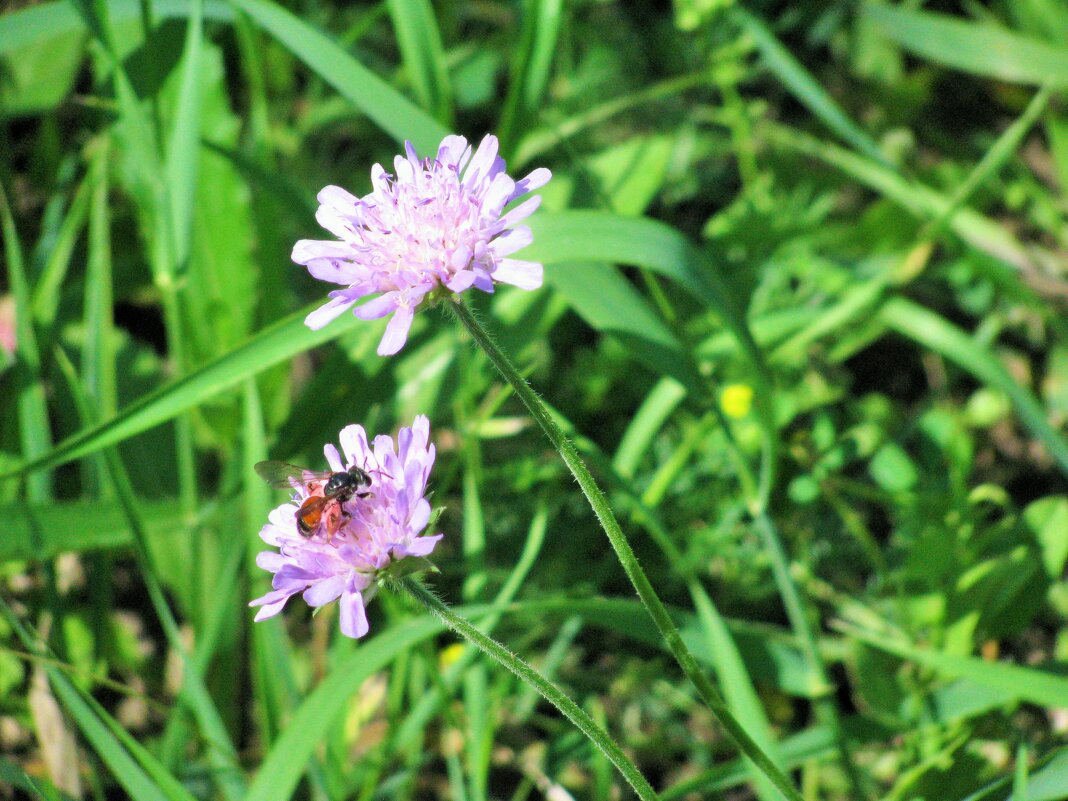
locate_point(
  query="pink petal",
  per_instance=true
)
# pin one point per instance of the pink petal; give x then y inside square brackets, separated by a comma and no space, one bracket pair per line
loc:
[377,307]
[353,615]
[271,561]
[337,224]
[497,195]
[271,604]
[421,546]
[325,314]
[461,281]
[396,332]
[335,271]
[536,180]
[333,458]
[482,163]
[307,249]
[338,198]
[420,516]
[353,441]
[325,591]
[520,212]
[451,149]
[523,274]
[512,240]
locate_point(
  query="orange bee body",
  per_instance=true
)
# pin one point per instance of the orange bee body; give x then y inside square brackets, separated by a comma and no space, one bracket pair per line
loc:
[322,510]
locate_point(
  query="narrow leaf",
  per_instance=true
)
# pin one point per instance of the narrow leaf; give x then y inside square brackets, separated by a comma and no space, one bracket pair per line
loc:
[384,105]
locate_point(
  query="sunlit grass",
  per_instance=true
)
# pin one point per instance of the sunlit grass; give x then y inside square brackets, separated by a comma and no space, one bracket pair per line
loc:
[802,319]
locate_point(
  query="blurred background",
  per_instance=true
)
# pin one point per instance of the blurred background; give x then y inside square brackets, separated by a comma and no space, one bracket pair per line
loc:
[803,315]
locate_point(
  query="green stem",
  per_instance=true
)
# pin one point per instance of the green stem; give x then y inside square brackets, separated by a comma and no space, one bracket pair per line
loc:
[549,691]
[599,503]
[826,710]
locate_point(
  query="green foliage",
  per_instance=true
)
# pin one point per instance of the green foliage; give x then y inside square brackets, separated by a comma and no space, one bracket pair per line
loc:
[852,214]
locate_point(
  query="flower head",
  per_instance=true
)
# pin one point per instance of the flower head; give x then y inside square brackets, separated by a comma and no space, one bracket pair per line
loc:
[434,222]
[376,529]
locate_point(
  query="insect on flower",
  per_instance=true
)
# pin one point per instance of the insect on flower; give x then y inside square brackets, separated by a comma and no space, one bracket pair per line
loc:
[366,534]
[327,491]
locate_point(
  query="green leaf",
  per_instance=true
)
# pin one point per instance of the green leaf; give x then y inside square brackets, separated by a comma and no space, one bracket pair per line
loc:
[139,773]
[1047,518]
[1022,683]
[608,303]
[35,433]
[276,343]
[578,235]
[892,469]
[982,233]
[738,688]
[384,105]
[807,745]
[419,41]
[531,66]
[183,146]
[42,532]
[41,22]
[287,760]
[917,323]
[602,237]
[983,50]
[804,86]
[644,425]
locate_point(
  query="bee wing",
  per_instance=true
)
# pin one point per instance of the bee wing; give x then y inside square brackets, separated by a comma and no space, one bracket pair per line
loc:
[282,475]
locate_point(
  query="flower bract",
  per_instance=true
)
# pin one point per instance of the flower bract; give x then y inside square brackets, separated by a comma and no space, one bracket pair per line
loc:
[374,530]
[434,222]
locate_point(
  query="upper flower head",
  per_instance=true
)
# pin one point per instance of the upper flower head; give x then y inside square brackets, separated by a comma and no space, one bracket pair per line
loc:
[434,222]
[374,529]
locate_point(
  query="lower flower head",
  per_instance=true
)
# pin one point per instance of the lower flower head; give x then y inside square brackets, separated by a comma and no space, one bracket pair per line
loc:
[435,222]
[367,532]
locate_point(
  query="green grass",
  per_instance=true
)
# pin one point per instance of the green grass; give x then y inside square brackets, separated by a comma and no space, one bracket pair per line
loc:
[857,211]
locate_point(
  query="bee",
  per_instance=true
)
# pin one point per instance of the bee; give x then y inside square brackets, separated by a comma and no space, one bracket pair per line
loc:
[327,491]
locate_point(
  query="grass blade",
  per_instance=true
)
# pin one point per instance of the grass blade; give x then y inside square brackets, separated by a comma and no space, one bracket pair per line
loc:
[48,289]
[803,86]
[285,763]
[148,780]
[184,143]
[738,688]
[275,344]
[549,691]
[194,691]
[979,231]
[609,303]
[531,67]
[599,236]
[971,47]
[930,330]
[274,685]
[419,41]
[577,235]
[47,530]
[35,433]
[1024,683]
[644,425]
[385,106]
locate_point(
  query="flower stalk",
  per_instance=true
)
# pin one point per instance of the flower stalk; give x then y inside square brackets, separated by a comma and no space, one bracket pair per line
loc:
[549,691]
[601,508]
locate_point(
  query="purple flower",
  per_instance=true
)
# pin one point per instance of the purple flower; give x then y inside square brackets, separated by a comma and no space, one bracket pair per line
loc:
[375,531]
[436,222]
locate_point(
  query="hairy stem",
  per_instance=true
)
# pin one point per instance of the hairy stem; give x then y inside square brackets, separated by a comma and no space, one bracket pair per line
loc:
[599,503]
[549,691]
